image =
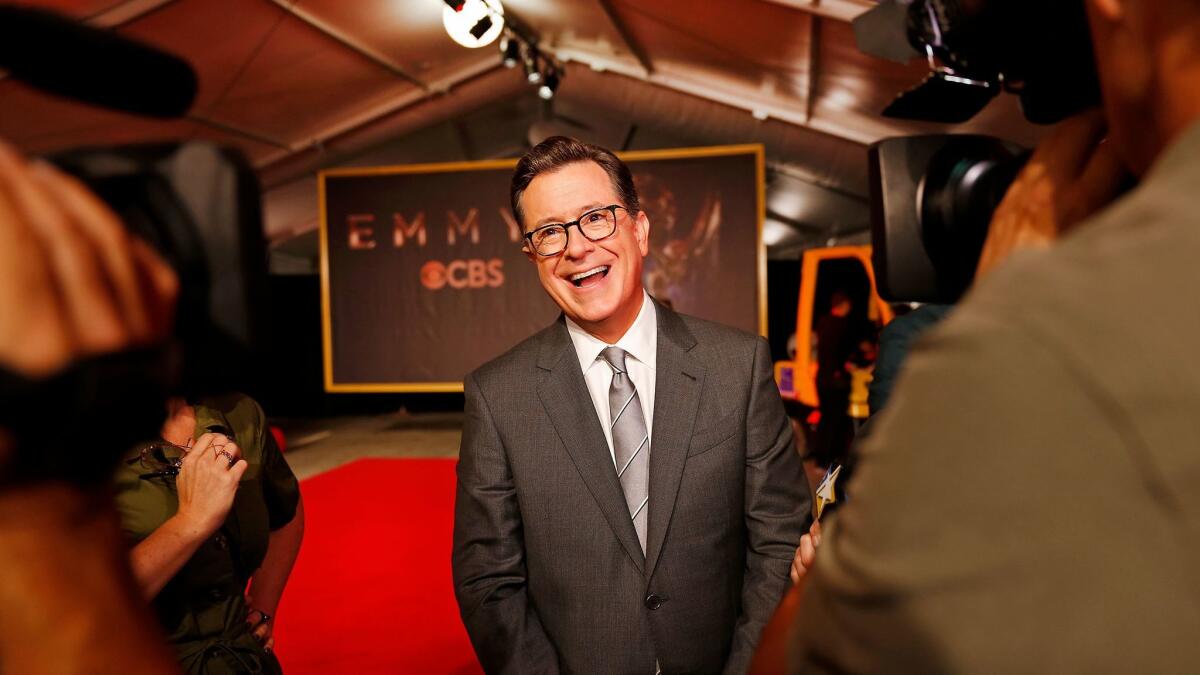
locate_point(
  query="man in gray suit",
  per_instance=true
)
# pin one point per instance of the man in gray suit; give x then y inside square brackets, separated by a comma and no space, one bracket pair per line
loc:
[629,497]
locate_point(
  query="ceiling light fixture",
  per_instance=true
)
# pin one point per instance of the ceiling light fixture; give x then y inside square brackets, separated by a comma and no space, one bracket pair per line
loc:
[510,47]
[533,74]
[550,86]
[542,70]
[473,23]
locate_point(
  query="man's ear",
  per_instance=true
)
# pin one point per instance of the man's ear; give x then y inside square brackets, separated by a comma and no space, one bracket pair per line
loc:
[526,247]
[641,230]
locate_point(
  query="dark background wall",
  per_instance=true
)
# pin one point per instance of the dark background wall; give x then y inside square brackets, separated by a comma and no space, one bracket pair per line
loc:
[290,382]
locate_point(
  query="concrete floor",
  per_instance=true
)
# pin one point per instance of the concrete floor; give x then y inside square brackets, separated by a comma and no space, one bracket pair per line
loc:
[320,445]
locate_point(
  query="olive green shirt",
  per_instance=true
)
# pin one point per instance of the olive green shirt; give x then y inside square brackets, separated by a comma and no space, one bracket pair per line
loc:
[202,607]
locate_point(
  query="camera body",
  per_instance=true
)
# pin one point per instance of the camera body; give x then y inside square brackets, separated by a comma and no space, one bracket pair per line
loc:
[197,204]
[932,197]
[1040,50]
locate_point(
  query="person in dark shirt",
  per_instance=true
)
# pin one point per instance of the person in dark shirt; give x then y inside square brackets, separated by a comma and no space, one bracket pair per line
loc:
[895,341]
[837,338]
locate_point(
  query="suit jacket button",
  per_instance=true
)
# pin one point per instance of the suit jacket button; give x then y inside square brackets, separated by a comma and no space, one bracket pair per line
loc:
[653,601]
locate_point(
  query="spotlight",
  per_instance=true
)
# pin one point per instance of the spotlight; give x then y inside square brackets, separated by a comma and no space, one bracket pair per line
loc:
[512,52]
[532,74]
[550,86]
[473,23]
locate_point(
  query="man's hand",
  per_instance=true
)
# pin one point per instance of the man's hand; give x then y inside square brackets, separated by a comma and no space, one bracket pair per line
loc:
[806,552]
[75,283]
[1071,175]
[207,482]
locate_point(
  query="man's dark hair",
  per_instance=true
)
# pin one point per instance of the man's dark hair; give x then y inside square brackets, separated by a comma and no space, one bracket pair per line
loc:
[556,152]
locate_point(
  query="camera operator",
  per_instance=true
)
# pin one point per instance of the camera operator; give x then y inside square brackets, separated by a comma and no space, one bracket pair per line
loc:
[1028,501]
[74,286]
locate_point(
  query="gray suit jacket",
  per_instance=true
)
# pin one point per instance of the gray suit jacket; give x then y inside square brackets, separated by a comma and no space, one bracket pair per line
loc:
[547,568]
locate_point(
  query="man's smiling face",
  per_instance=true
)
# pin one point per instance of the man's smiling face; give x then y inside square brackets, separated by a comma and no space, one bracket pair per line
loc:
[598,284]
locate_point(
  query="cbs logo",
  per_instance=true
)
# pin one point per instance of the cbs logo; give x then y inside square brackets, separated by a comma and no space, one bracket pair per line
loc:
[463,274]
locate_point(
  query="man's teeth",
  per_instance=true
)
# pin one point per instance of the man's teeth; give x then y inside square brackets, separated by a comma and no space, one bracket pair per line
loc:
[576,278]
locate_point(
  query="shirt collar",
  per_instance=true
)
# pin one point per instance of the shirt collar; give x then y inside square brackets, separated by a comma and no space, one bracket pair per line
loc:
[640,341]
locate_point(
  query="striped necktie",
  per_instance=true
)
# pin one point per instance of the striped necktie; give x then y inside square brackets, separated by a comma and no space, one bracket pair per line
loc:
[631,442]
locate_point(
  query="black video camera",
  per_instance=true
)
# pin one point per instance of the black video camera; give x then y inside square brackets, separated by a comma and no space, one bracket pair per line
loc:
[932,197]
[197,204]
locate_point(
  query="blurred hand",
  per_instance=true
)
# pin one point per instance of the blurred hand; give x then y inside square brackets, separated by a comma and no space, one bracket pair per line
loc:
[208,481]
[1071,175]
[806,552]
[75,283]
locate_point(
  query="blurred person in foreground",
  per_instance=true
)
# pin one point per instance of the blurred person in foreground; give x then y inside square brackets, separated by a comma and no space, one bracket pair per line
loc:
[1028,501]
[629,497]
[75,286]
[213,507]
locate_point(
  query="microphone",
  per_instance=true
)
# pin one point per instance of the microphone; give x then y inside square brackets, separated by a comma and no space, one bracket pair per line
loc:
[66,58]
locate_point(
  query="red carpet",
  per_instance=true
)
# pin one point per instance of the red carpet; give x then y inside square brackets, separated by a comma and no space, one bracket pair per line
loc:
[371,591]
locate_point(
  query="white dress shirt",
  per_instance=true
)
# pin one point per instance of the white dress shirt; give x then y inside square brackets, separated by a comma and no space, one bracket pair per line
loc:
[640,343]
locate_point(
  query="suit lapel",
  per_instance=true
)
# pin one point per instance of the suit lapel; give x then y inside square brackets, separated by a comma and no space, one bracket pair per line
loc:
[679,379]
[564,395]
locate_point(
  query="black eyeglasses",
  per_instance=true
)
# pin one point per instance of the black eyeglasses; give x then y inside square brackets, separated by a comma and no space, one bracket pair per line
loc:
[596,225]
[160,459]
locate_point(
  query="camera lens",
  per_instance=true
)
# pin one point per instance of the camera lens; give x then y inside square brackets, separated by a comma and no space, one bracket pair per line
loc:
[962,186]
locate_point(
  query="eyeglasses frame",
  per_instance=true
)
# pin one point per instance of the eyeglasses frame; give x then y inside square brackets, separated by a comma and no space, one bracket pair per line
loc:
[170,470]
[575,223]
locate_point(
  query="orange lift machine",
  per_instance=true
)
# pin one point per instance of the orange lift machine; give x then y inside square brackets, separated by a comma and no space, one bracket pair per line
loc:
[822,271]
